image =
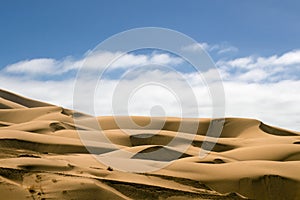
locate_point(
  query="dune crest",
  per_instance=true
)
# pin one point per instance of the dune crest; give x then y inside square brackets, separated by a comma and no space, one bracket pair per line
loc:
[42,157]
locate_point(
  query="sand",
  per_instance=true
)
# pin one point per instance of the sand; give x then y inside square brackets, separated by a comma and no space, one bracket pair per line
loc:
[43,157]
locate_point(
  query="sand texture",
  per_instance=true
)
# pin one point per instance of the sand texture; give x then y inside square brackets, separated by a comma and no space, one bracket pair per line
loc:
[43,157]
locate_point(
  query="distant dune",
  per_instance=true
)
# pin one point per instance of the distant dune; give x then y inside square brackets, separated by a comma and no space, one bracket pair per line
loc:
[43,157]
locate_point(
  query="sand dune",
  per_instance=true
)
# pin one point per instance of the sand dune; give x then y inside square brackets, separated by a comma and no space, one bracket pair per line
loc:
[43,156]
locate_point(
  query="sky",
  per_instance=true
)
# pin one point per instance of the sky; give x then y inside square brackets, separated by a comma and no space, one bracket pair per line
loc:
[254,44]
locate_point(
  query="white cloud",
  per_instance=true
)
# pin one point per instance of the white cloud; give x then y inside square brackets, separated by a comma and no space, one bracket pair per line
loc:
[165,59]
[265,88]
[35,66]
[196,47]
[255,75]
[267,69]
[237,63]
[289,58]
[114,60]
[224,49]
[54,92]
[218,48]
[274,103]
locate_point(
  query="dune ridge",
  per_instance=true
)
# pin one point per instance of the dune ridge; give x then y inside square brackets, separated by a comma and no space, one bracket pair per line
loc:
[43,157]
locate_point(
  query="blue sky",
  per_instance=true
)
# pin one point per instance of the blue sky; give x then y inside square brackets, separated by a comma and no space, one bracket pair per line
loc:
[56,29]
[255,45]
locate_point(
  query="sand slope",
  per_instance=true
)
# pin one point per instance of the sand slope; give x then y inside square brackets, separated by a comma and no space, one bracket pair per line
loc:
[42,157]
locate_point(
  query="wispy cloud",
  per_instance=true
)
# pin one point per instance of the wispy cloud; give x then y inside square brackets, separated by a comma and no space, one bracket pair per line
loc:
[262,69]
[218,48]
[35,66]
[49,67]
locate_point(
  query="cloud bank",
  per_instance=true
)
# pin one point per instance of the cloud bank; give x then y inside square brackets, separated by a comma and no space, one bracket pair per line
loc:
[265,88]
